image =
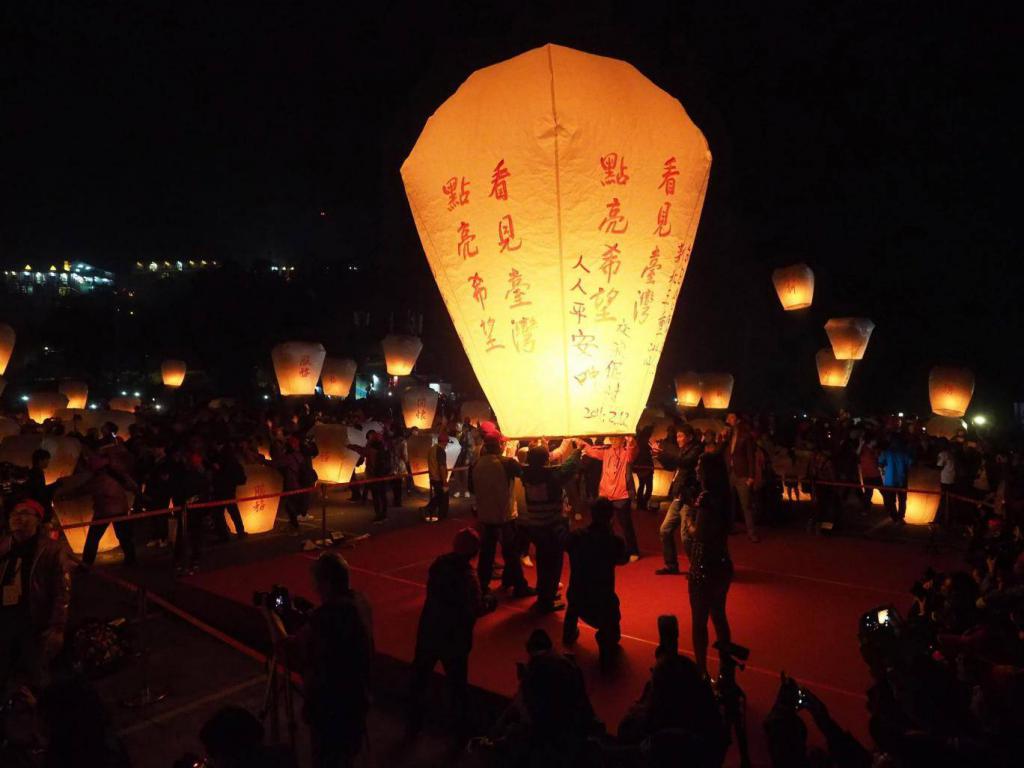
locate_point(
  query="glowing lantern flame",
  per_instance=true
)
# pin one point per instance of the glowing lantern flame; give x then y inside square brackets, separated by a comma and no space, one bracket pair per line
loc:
[173,372]
[716,389]
[950,390]
[795,286]
[336,461]
[77,393]
[44,405]
[337,376]
[419,404]
[832,372]
[298,365]
[849,336]
[475,411]
[7,339]
[688,389]
[258,515]
[126,404]
[400,353]
[559,233]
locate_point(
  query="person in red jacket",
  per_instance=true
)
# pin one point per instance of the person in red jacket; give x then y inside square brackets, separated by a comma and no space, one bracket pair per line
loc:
[617,458]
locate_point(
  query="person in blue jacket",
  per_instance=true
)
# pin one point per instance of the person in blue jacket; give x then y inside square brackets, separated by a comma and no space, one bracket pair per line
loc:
[895,463]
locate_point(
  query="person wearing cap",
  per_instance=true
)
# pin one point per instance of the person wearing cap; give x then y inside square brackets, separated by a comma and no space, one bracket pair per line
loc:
[445,634]
[36,582]
[437,470]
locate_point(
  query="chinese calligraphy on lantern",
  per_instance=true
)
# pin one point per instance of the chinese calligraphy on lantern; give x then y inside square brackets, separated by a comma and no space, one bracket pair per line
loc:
[457,190]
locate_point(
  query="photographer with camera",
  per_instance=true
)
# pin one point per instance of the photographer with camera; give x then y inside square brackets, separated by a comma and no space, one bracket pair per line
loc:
[333,651]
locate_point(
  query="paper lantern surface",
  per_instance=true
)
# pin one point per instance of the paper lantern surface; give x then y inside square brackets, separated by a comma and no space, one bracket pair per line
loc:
[795,286]
[298,365]
[258,515]
[418,445]
[401,353]
[336,461]
[7,339]
[125,404]
[557,195]
[832,372]
[950,390]
[943,426]
[64,452]
[94,419]
[849,336]
[419,405]
[716,390]
[79,510]
[337,376]
[922,507]
[77,393]
[688,390]
[44,405]
[173,372]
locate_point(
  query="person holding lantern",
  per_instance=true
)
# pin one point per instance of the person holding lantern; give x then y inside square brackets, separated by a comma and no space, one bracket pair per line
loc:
[616,459]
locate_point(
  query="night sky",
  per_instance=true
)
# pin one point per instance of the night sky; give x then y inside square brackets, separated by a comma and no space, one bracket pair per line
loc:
[874,141]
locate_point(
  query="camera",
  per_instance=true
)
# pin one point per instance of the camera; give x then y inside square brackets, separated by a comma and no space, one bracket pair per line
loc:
[884,619]
[294,612]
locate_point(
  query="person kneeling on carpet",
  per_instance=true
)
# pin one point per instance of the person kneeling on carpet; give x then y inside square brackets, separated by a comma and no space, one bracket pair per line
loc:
[593,554]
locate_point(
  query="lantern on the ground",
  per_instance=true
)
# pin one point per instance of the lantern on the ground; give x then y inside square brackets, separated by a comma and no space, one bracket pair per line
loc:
[79,509]
[337,376]
[950,390]
[336,461]
[559,232]
[832,372]
[298,365]
[849,336]
[922,507]
[173,372]
[795,286]
[688,389]
[400,353]
[125,403]
[475,411]
[64,452]
[419,404]
[716,390]
[418,446]
[258,515]
[44,405]
[7,339]
[77,393]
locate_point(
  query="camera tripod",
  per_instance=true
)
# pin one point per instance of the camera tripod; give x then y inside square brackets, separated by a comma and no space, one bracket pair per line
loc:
[278,690]
[733,700]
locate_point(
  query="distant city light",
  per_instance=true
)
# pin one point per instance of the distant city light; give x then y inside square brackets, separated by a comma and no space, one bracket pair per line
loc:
[900,414]
[158,406]
[24,398]
[93,406]
[136,394]
[979,420]
[266,397]
[123,393]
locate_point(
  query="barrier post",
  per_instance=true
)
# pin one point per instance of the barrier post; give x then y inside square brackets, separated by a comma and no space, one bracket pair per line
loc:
[146,695]
[323,513]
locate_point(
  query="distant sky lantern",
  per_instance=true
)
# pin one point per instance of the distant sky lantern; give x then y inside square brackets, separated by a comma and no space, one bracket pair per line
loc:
[298,365]
[849,336]
[950,390]
[77,393]
[475,411]
[337,376]
[557,195]
[44,405]
[832,372]
[258,515]
[688,389]
[7,338]
[400,353]
[716,389]
[419,405]
[173,372]
[125,404]
[336,461]
[795,286]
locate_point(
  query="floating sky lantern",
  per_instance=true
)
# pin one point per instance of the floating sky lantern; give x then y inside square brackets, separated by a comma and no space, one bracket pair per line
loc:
[832,372]
[795,286]
[559,232]
[400,353]
[922,507]
[64,452]
[475,411]
[337,376]
[7,339]
[77,393]
[298,365]
[688,389]
[258,515]
[44,405]
[849,336]
[950,390]
[716,390]
[173,372]
[419,405]
[336,462]
[125,403]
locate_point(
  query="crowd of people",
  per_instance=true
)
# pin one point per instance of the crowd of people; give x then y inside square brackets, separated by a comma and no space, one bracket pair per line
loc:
[947,675]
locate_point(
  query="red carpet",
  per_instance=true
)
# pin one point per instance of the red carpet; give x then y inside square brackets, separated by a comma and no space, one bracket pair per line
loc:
[795,602]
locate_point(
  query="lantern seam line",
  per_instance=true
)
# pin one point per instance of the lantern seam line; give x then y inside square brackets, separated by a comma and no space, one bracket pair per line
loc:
[561,257]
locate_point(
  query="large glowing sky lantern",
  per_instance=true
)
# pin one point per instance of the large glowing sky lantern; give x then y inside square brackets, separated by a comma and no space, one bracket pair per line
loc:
[337,376]
[7,338]
[419,405]
[44,405]
[77,393]
[832,372]
[172,373]
[688,389]
[298,365]
[795,286]
[849,336]
[950,390]
[557,196]
[400,353]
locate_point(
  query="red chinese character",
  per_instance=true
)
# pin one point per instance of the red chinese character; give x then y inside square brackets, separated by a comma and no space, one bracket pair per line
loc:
[602,301]
[507,234]
[610,261]
[479,291]
[614,222]
[499,187]
[457,191]
[579,287]
[580,265]
[668,177]
[652,268]
[304,367]
[664,225]
[579,311]
[466,249]
[487,326]
[614,168]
